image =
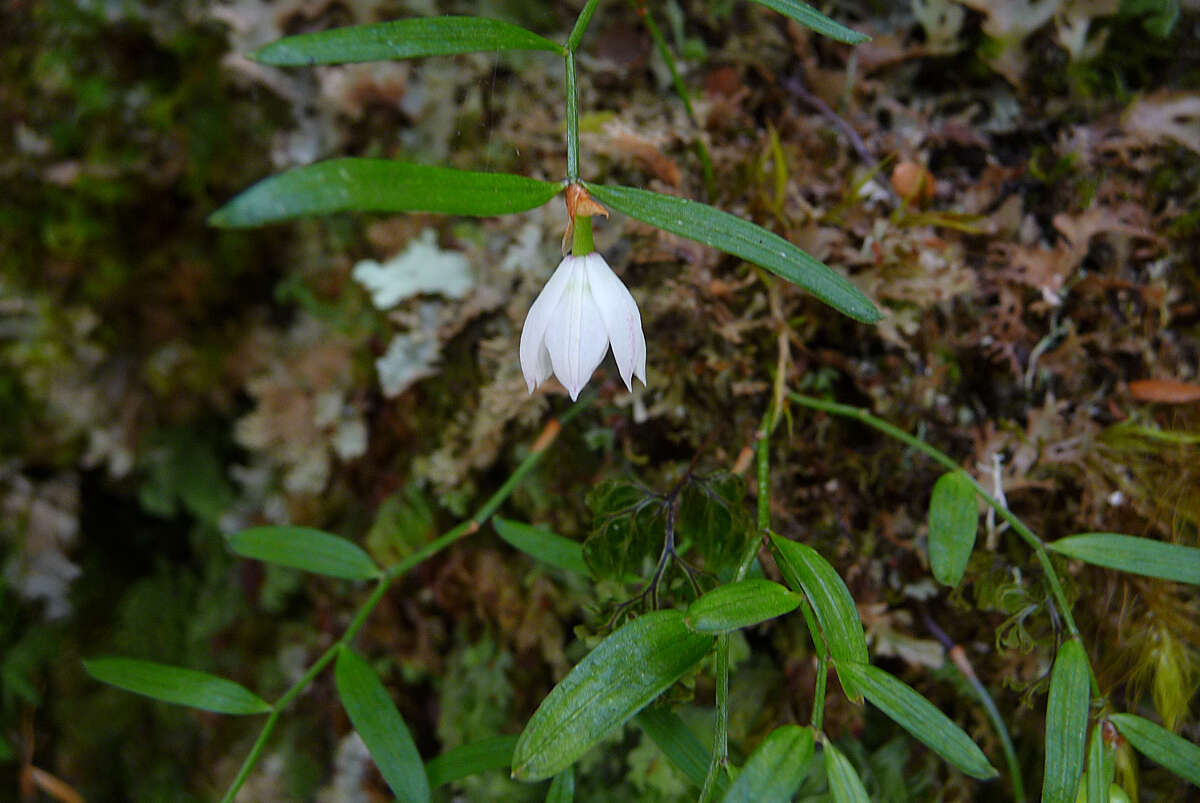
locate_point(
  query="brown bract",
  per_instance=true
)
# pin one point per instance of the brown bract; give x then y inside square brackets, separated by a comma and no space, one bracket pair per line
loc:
[579,202]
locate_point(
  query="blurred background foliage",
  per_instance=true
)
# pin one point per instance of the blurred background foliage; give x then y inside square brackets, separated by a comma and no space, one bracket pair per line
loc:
[163,383]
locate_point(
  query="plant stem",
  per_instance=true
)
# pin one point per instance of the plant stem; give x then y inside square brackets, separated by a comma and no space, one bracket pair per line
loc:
[581,23]
[822,649]
[818,711]
[943,459]
[660,43]
[721,746]
[1006,745]
[958,661]
[763,471]
[583,244]
[572,120]
[471,525]
[720,757]
[573,40]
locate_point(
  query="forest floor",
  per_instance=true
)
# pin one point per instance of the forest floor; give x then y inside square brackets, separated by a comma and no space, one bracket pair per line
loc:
[1015,184]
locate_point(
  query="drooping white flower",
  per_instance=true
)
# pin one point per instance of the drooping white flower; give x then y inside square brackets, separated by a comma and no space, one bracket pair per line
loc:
[581,310]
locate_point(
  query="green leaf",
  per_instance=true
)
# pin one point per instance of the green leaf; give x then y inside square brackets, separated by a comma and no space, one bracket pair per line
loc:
[1101,767]
[381,727]
[1161,15]
[562,553]
[713,519]
[679,744]
[622,675]
[953,522]
[805,570]
[401,39]
[182,468]
[1066,723]
[1128,553]
[306,549]
[403,524]
[919,717]
[731,234]
[775,769]
[628,527]
[1161,746]
[562,788]
[470,759]
[843,779]
[381,185]
[738,605]
[809,17]
[173,684]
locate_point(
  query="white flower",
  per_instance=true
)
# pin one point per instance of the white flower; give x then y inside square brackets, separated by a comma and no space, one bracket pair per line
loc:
[582,309]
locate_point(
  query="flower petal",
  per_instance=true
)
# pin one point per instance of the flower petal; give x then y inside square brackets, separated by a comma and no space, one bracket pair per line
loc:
[622,320]
[576,337]
[535,361]
[544,367]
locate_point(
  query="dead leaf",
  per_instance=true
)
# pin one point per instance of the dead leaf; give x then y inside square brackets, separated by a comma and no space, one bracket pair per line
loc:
[622,143]
[1048,269]
[1165,117]
[54,787]
[1010,22]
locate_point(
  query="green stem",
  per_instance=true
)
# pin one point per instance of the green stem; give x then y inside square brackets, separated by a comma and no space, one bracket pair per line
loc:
[721,747]
[818,712]
[581,24]
[1010,754]
[720,756]
[583,244]
[706,167]
[660,43]
[576,36]
[822,649]
[572,119]
[762,456]
[943,459]
[464,529]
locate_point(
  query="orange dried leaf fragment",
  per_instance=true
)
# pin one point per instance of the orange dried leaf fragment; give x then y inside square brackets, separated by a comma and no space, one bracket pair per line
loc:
[1167,391]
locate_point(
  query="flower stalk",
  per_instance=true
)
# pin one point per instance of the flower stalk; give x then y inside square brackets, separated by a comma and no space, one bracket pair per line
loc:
[582,243]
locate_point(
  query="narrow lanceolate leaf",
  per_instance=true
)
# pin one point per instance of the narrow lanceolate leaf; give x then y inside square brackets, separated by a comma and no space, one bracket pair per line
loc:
[173,684]
[809,17]
[306,549]
[561,553]
[1101,765]
[1135,555]
[381,185]
[1066,724]
[953,522]
[805,570]
[562,788]
[679,745]
[775,769]
[470,759]
[621,676]
[377,721]
[402,39]
[843,779]
[1161,746]
[737,605]
[919,717]
[731,234]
